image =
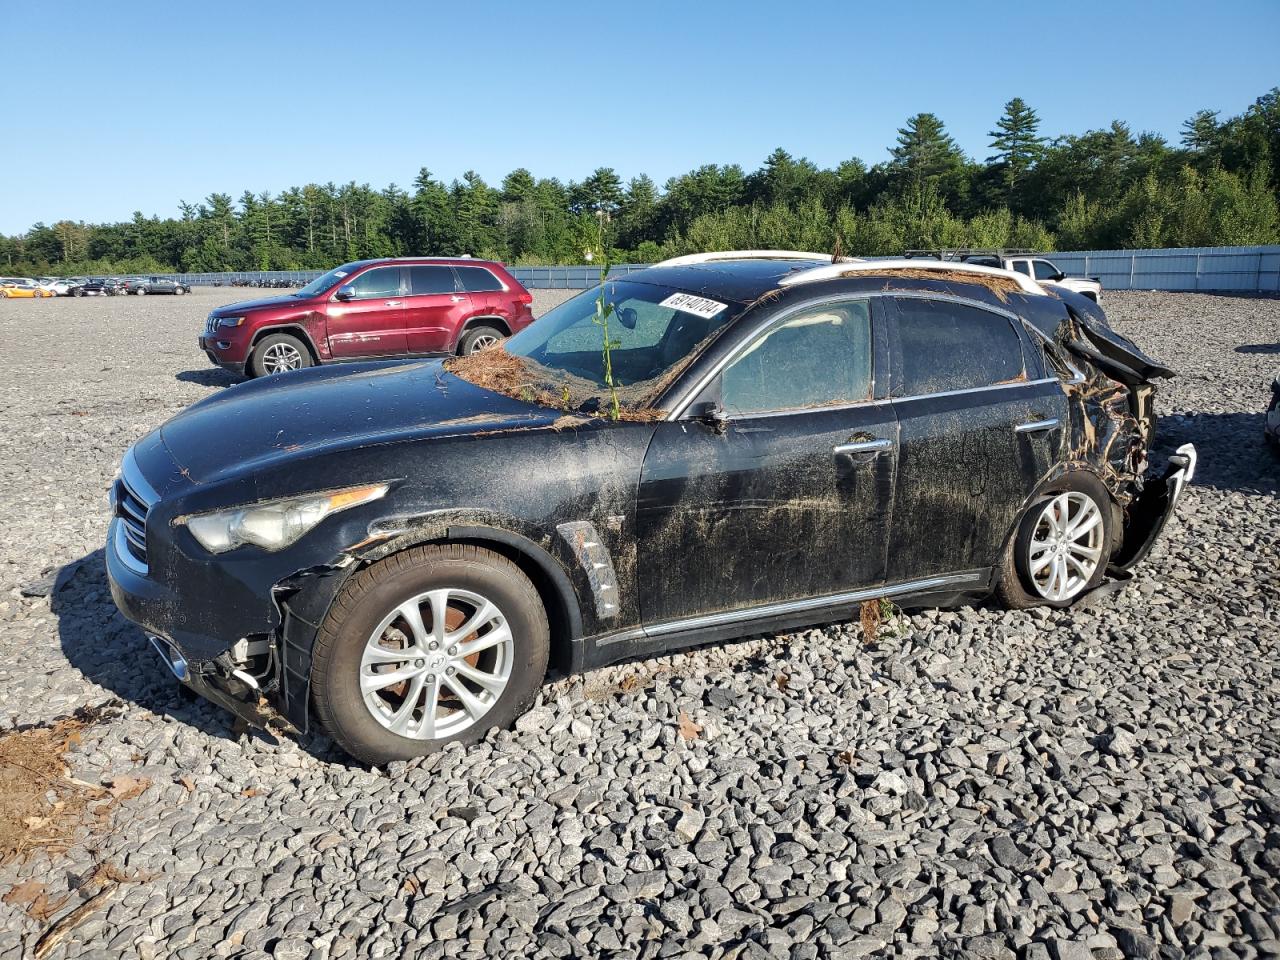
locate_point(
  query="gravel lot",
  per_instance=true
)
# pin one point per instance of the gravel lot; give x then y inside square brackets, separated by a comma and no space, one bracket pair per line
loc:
[1097,783]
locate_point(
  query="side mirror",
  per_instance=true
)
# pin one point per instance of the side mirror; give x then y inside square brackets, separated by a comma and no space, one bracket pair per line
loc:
[627,316]
[712,415]
[1059,275]
[346,292]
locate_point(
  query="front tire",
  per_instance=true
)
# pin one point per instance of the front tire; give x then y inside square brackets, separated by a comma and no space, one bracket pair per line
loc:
[436,644]
[479,338]
[278,353]
[1061,546]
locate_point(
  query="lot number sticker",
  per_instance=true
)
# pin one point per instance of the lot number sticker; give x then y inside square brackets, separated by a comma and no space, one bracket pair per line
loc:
[698,306]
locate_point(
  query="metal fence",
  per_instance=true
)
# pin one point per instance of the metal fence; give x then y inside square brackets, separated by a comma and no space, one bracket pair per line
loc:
[1244,269]
[1241,269]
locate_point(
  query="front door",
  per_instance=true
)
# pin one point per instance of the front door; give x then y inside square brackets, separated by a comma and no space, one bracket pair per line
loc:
[435,309]
[370,321]
[978,426]
[788,498]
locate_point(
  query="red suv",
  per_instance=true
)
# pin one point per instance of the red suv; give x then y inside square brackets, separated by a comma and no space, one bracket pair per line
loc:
[372,308]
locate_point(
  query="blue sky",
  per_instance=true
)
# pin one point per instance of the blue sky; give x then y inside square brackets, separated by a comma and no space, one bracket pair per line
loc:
[135,106]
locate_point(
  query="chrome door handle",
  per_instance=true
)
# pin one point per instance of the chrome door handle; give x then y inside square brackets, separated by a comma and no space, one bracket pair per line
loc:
[1036,426]
[457,299]
[394,303]
[864,446]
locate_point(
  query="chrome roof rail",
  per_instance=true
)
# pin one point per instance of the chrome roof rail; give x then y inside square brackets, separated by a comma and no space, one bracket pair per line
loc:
[836,270]
[748,255]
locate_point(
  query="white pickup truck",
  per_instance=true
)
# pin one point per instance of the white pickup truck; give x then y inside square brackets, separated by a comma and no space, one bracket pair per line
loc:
[1044,272]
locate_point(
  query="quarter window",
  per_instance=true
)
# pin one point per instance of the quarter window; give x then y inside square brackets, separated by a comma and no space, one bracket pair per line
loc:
[819,357]
[947,346]
[431,279]
[379,282]
[478,280]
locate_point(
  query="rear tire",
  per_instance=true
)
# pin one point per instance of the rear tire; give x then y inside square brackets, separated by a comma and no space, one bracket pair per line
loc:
[279,353]
[366,616]
[178,291]
[479,338]
[141,291]
[1025,580]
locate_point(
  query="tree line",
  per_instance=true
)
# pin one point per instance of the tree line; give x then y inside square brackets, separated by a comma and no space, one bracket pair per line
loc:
[1105,188]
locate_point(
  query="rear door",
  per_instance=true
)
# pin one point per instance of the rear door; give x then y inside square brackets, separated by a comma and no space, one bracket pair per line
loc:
[434,308]
[979,426]
[371,322]
[789,501]
[489,294]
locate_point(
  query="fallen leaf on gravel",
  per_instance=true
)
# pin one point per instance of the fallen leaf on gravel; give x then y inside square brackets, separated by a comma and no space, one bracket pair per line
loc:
[33,897]
[629,683]
[125,787]
[687,728]
[188,783]
[411,885]
[782,681]
[249,792]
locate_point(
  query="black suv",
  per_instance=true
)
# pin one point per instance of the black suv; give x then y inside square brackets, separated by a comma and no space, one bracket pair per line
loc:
[400,549]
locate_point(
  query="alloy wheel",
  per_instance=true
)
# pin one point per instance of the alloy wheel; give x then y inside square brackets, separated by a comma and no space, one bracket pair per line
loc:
[436,664]
[280,358]
[1066,546]
[482,342]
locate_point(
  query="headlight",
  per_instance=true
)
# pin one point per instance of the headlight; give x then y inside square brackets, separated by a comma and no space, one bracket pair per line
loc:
[230,321]
[276,524]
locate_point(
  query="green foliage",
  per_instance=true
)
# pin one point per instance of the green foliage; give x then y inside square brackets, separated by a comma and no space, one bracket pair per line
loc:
[1101,189]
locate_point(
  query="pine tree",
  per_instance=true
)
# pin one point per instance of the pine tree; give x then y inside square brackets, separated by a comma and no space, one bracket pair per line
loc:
[925,151]
[1202,131]
[1018,145]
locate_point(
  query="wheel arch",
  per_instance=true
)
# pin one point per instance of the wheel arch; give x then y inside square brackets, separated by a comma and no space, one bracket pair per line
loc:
[290,328]
[486,320]
[1059,480]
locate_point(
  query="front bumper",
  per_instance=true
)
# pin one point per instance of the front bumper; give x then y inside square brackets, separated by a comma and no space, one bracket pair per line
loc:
[229,357]
[1152,508]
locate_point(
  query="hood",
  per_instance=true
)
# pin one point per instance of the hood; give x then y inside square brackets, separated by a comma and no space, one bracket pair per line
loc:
[256,425]
[235,309]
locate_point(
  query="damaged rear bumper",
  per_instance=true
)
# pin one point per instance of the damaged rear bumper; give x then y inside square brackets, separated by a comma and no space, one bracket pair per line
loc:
[1150,510]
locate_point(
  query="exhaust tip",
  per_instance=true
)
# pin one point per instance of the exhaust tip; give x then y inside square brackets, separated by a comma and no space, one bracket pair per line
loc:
[175,661]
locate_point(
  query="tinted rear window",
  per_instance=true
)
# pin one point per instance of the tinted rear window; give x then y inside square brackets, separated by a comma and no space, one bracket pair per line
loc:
[949,346]
[478,280]
[430,279]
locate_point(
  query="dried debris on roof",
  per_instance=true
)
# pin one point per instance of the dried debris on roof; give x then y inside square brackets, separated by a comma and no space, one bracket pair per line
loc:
[1000,286]
[522,379]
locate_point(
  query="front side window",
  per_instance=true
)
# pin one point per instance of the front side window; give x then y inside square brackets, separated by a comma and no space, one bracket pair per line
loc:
[817,358]
[1045,270]
[379,282]
[478,280]
[430,279]
[945,346]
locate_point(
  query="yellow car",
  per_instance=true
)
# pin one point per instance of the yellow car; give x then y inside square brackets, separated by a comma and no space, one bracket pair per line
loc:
[13,288]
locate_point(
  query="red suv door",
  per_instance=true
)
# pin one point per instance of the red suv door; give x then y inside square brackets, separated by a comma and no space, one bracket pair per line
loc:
[366,315]
[435,308]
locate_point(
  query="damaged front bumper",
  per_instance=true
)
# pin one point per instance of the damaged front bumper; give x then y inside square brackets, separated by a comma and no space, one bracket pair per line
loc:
[1150,510]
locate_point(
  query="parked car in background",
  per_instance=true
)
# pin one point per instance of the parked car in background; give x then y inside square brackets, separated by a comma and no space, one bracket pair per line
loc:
[1025,262]
[63,287]
[371,308]
[398,551]
[97,287]
[13,288]
[157,285]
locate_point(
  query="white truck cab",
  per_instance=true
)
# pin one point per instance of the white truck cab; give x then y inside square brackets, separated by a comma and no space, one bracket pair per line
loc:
[1042,271]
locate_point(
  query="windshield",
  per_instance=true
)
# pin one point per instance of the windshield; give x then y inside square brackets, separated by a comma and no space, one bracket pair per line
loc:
[654,333]
[323,283]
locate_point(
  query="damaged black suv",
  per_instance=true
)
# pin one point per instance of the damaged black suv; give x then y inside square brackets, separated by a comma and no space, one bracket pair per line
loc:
[400,551]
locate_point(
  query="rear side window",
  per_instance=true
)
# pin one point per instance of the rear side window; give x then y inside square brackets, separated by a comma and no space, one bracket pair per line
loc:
[1021,267]
[478,280]
[819,357]
[431,279]
[947,346]
[379,282]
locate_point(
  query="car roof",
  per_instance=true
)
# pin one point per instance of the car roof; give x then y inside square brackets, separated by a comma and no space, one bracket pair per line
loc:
[741,281]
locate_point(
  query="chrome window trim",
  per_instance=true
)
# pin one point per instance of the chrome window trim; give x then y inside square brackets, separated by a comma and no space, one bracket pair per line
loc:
[965,578]
[462,288]
[682,405]
[994,386]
